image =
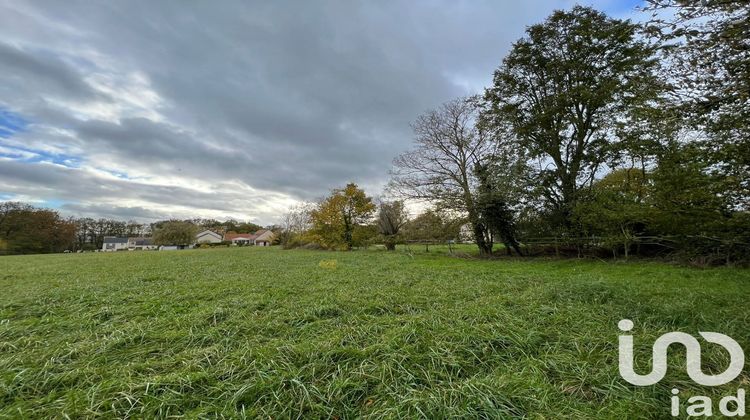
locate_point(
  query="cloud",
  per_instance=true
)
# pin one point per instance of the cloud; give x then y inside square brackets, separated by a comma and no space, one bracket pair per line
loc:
[158,109]
[45,69]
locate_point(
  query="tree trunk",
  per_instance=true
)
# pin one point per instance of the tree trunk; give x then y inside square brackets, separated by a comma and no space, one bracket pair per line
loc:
[348,238]
[485,247]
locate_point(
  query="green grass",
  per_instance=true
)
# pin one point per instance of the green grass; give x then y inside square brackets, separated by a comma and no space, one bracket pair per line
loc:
[264,332]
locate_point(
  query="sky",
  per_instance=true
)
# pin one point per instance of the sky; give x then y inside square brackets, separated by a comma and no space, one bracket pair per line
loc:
[143,110]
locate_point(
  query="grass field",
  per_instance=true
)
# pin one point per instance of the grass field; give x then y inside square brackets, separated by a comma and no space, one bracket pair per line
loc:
[265,332]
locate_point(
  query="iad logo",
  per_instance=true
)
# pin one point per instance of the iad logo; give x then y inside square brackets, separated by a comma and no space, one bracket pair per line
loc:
[693,348]
[700,406]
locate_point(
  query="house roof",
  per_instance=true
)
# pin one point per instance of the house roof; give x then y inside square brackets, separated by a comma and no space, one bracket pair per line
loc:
[266,234]
[115,240]
[248,236]
[208,232]
[233,236]
[141,241]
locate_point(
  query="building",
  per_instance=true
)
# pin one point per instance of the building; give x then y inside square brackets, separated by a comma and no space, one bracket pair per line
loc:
[114,243]
[141,244]
[262,237]
[240,238]
[207,237]
[171,247]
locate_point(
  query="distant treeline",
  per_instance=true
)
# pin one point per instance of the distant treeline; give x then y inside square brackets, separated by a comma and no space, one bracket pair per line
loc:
[25,229]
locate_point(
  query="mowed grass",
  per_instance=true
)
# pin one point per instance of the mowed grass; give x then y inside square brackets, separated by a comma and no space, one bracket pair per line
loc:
[250,332]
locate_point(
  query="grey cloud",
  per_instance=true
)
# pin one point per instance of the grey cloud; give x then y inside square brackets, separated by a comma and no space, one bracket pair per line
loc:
[113,212]
[289,97]
[44,70]
[53,181]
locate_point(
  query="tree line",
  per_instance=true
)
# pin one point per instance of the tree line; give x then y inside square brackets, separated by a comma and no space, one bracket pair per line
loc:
[597,135]
[25,229]
[348,218]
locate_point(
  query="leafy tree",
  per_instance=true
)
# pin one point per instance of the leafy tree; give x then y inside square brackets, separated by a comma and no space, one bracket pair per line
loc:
[25,229]
[431,226]
[84,237]
[688,198]
[230,225]
[364,235]
[564,89]
[175,232]
[449,144]
[247,227]
[710,60]
[617,209]
[392,216]
[336,218]
[495,212]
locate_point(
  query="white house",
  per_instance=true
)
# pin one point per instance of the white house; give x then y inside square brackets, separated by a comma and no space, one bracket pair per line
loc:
[263,238]
[239,238]
[208,237]
[113,243]
[135,244]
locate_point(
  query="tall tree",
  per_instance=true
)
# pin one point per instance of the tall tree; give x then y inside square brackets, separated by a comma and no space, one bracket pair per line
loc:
[565,90]
[337,217]
[449,144]
[392,216]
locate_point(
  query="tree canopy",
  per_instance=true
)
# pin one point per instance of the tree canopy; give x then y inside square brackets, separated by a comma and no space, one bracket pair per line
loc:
[175,232]
[565,89]
[25,229]
[338,219]
[392,216]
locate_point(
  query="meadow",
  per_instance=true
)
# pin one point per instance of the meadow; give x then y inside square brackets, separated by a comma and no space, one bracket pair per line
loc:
[262,332]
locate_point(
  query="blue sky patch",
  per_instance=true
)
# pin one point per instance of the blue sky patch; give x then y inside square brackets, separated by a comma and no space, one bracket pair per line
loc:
[26,155]
[66,160]
[11,123]
[620,6]
[53,203]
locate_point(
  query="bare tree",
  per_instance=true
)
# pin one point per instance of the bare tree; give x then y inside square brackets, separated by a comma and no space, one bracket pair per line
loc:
[440,169]
[294,222]
[392,216]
